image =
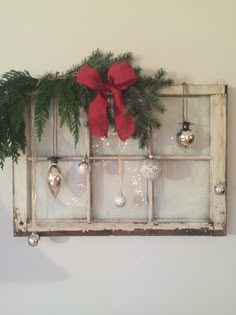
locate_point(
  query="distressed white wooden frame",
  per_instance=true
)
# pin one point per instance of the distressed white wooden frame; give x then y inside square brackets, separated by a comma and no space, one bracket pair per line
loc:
[25,222]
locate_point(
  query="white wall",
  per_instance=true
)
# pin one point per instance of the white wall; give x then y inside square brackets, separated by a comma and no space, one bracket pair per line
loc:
[195,41]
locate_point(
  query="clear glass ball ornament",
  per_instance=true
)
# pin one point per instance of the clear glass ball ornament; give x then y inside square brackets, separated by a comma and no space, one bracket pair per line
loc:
[186,136]
[84,167]
[151,168]
[33,239]
[120,200]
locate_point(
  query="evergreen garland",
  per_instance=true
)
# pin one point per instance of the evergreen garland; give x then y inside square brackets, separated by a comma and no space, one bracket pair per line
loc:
[18,90]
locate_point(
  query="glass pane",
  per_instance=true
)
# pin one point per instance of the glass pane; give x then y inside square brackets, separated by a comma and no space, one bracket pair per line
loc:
[65,141]
[71,201]
[182,192]
[110,145]
[164,139]
[106,187]
[45,146]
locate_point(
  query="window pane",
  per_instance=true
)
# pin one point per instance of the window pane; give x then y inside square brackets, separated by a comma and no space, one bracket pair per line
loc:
[65,141]
[110,145]
[182,192]
[164,139]
[71,201]
[106,187]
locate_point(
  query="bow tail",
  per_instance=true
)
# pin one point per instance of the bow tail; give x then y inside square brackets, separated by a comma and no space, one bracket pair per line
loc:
[125,124]
[97,116]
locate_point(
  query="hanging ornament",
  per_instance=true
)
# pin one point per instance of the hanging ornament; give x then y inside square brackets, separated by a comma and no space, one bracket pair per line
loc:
[120,200]
[185,136]
[33,239]
[54,173]
[84,167]
[54,177]
[151,168]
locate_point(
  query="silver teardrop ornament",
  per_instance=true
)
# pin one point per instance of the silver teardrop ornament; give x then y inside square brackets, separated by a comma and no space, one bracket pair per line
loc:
[54,179]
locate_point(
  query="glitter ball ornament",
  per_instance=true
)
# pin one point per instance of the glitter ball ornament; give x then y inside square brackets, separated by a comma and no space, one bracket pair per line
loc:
[84,167]
[151,168]
[120,200]
[33,239]
[185,137]
[54,178]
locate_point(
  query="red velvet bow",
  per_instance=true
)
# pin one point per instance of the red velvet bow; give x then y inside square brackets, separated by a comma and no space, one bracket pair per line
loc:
[120,76]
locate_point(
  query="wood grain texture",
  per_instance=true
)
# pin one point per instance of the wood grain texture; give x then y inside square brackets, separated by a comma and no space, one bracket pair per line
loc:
[136,232]
[218,163]
[195,90]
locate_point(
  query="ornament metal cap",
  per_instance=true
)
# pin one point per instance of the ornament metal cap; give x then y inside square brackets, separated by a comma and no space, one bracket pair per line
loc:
[186,125]
[54,159]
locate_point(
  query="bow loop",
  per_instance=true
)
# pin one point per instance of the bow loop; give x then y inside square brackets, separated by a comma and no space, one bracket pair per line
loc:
[120,76]
[91,78]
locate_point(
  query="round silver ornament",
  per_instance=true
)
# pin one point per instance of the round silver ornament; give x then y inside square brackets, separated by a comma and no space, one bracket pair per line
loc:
[120,200]
[185,137]
[54,178]
[33,239]
[84,167]
[151,168]
[219,188]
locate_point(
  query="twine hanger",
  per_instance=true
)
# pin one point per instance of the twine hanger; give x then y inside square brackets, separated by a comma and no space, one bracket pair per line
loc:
[185,101]
[120,168]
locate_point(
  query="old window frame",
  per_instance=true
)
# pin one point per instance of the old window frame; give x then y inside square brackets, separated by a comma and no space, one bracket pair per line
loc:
[24,218]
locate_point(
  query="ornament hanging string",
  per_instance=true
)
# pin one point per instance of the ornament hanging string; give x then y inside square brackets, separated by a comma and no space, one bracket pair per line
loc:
[33,168]
[120,75]
[120,169]
[55,128]
[150,144]
[55,122]
[185,102]
[84,137]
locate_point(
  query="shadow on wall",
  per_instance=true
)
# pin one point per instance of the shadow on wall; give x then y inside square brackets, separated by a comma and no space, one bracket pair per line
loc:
[18,261]
[231,165]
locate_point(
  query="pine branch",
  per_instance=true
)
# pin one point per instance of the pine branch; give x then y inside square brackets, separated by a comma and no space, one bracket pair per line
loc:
[69,107]
[42,99]
[17,87]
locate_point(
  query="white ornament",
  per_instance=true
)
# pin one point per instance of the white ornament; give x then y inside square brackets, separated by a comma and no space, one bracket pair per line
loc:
[84,168]
[120,200]
[151,168]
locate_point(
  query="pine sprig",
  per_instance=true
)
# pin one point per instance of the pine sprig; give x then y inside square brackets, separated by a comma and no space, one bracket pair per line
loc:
[42,99]
[15,90]
[69,106]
